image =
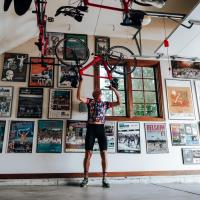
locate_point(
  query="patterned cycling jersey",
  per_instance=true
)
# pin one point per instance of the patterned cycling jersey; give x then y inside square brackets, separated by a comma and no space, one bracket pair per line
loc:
[97,110]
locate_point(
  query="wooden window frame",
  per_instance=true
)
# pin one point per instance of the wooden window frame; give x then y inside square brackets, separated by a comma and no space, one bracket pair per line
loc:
[128,88]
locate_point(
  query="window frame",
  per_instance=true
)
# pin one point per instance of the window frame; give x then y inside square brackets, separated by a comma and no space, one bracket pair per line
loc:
[129,97]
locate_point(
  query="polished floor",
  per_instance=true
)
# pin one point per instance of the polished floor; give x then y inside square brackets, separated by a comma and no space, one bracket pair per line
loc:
[168,191]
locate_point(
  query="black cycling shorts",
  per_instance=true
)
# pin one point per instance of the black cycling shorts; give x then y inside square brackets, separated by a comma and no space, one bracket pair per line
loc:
[95,131]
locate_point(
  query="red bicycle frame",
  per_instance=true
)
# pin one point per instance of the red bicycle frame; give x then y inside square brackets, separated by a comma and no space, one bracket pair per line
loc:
[97,59]
[126,4]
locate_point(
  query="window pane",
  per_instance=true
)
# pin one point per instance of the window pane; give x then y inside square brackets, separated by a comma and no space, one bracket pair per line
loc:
[122,95]
[120,84]
[107,95]
[137,84]
[149,84]
[138,97]
[150,97]
[151,110]
[119,69]
[109,112]
[104,82]
[148,72]
[137,73]
[138,109]
[120,110]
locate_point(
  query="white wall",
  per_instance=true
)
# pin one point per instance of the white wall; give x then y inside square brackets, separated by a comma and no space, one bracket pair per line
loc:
[72,162]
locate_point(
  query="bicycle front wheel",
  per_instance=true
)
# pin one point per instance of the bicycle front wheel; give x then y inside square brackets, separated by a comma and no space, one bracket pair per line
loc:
[118,56]
[72,51]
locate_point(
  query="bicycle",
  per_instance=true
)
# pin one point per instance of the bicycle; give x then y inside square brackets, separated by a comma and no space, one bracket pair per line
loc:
[76,54]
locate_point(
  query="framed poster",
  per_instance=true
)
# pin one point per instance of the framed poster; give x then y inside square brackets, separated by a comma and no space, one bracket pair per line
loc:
[30,103]
[184,134]
[2,132]
[75,136]
[49,138]
[67,78]
[179,98]
[156,138]
[41,75]
[191,156]
[128,137]
[60,103]
[14,67]
[102,44]
[185,69]
[80,49]
[197,88]
[21,137]
[6,95]
[53,39]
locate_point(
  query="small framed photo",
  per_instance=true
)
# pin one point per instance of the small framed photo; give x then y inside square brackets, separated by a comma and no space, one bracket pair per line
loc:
[2,132]
[41,75]
[80,49]
[6,96]
[60,103]
[49,138]
[191,156]
[14,67]
[101,44]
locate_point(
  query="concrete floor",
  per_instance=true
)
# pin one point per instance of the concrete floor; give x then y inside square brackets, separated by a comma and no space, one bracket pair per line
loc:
[96,192]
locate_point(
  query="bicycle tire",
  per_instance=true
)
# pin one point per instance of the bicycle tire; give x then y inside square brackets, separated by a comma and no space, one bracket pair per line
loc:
[79,52]
[118,63]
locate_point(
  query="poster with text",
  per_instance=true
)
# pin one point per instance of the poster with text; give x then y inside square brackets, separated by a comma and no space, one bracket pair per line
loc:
[60,103]
[184,134]
[180,101]
[128,137]
[156,138]
[6,95]
[49,138]
[2,132]
[14,67]
[21,137]
[30,103]
[191,156]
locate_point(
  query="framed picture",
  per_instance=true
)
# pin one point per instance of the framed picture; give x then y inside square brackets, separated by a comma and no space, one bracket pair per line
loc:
[75,136]
[21,137]
[101,44]
[128,137]
[80,50]
[14,67]
[6,95]
[60,103]
[30,103]
[197,88]
[2,132]
[53,39]
[156,138]
[41,75]
[185,69]
[179,99]
[49,138]
[184,134]
[191,156]
[66,77]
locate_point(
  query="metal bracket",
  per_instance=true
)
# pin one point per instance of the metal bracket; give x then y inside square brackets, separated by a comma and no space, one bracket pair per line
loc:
[188,27]
[138,43]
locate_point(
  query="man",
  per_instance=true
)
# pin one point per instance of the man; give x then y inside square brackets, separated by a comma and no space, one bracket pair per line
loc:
[95,129]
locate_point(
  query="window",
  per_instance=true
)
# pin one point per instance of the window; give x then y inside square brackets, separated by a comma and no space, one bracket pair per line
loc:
[141,92]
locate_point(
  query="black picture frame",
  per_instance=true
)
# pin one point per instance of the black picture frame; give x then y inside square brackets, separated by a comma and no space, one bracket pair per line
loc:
[101,44]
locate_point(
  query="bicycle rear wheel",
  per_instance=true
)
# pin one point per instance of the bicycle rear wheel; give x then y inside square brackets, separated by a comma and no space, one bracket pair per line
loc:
[72,50]
[118,56]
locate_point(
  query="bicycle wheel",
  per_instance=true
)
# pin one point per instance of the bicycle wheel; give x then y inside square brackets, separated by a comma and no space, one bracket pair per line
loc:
[72,50]
[118,57]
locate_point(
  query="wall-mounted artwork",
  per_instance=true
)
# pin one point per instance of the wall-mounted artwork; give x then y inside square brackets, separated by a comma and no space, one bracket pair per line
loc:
[156,138]
[60,103]
[2,132]
[191,156]
[185,69]
[30,103]
[128,137]
[179,98]
[21,137]
[184,134]
[49,137]
[102,44]
[6,95]
[14,67]
[197,88]
[41,72]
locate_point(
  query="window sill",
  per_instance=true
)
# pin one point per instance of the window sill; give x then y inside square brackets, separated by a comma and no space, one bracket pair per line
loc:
[144,118]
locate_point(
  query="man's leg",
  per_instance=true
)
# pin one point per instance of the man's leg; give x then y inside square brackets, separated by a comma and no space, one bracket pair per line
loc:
[86,162]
